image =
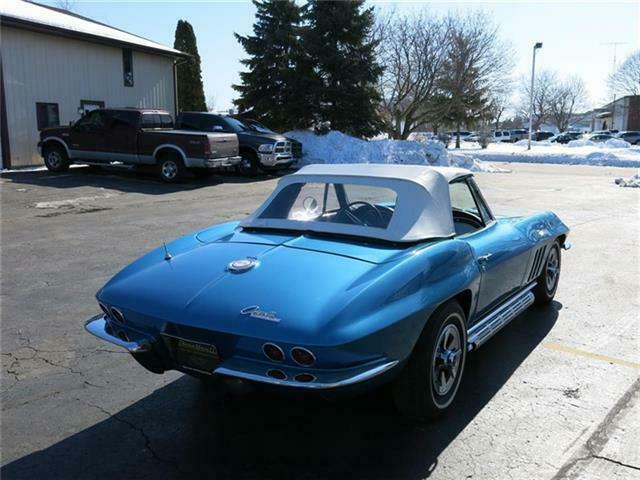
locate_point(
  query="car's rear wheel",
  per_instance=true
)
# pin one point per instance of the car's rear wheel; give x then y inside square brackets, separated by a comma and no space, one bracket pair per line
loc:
[547,282]
[170,167]
[56,159]
[428,384]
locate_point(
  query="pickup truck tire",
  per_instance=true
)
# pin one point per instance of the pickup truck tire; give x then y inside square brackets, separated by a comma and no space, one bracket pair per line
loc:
[170,167]
[55,158]
[249,164]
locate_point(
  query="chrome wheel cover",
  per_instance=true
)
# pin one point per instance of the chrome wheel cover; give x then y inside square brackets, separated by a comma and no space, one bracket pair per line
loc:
[552,270]
[169,169]
[54,159]
[446,361]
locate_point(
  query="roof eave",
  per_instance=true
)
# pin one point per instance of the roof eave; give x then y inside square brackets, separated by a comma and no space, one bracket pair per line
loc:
[63,32]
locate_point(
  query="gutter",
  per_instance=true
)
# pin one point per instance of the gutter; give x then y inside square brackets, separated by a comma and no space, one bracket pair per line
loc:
[175,83]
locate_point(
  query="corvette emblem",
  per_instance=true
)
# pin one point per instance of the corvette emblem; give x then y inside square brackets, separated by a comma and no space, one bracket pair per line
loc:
[254,312]
[242,265]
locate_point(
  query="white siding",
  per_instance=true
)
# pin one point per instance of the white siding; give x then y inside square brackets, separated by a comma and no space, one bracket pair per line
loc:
[46,68]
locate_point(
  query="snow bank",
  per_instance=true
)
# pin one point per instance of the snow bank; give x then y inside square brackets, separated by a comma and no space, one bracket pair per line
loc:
[534,143]
[337,147]
[633,182]
[617,143]
[576,152]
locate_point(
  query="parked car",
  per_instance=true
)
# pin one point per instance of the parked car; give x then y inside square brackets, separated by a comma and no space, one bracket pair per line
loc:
[260,148]
[501,136]
[346,277]
[137,137]
[565,137]
[598,137]
[541,136]
[632,137]
[518,134]
[464,135]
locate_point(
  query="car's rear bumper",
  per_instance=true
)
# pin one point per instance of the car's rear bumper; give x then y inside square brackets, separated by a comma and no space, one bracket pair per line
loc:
[144,348]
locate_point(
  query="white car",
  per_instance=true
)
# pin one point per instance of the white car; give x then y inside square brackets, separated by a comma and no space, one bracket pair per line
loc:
[501,136]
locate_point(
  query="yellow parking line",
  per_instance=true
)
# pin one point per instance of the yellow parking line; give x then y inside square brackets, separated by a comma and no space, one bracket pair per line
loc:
[596,356]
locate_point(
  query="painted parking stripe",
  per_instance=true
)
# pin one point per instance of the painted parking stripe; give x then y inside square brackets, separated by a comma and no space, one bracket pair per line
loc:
[596,356]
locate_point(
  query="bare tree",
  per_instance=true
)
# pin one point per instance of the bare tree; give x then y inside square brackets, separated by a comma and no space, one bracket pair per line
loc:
[626,80]
[211,103]
[566,97]
[412,50]
[68,5]
[477,68]
[544,86]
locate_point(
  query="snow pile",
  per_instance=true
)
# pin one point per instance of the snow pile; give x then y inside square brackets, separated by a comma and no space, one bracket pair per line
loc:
[581,142]
[337,147]
[633,182]
[576,152]
[617,143]
[534,143]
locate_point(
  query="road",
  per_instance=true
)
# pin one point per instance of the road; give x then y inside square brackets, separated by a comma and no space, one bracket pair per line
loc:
[554,395]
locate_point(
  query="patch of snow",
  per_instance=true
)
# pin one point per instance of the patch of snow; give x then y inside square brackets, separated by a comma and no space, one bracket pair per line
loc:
[337,147]
[72,202]
[534,143]
[633,182]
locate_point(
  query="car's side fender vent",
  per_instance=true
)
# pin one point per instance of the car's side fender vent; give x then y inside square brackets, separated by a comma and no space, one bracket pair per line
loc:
[536,266]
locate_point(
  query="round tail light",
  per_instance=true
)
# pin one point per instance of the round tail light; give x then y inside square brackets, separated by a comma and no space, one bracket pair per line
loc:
[104,309]
[302,356]
[117,315]
[277,374]
[304,378]
[273,352]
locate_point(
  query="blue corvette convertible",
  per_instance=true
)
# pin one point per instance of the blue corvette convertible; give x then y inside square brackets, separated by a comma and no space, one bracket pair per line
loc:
[346,276]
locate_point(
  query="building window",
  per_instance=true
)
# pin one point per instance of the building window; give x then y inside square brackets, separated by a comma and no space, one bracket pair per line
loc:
[47,114]
[127,67]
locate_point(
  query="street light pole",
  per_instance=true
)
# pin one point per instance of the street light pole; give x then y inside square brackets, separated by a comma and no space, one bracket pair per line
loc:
[533,72]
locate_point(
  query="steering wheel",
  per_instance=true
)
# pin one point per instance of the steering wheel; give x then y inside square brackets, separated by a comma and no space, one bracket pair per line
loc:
[349,212]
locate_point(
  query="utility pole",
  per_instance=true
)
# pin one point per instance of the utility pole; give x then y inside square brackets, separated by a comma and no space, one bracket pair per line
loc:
[533,72]
[613,104]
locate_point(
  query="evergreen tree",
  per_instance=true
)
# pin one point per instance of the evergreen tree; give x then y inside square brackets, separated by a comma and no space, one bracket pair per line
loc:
[190,89]
[338,44]
[273,87]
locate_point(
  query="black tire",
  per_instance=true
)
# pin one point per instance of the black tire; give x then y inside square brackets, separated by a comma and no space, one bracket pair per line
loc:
[55,158]
[170,167]
[417,392]
[547,281]
[249,165]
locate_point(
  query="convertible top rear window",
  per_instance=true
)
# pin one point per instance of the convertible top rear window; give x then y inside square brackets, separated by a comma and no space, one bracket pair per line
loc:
[338,203]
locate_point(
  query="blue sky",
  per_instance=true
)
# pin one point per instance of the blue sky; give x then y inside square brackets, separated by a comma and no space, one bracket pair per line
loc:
[573,33]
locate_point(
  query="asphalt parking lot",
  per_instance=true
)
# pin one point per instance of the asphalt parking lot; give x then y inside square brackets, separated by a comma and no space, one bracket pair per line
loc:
[554,395]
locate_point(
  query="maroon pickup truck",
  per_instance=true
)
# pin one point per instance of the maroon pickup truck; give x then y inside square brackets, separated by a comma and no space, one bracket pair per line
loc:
[137,137]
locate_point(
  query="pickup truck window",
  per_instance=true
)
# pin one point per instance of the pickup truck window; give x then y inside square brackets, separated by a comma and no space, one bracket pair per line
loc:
[156,120]
[203,123]
[124,118]
[93,120]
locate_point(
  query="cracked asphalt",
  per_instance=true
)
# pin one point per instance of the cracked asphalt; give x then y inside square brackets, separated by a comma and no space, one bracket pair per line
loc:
[555,395]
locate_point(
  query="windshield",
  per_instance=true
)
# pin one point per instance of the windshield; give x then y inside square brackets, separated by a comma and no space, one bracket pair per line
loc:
[351,204]
[236,125]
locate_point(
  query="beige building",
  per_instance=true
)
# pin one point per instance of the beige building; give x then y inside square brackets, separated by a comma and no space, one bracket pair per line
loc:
[56,65]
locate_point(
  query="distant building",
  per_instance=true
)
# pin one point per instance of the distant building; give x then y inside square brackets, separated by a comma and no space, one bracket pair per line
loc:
[622,114]
[56,65]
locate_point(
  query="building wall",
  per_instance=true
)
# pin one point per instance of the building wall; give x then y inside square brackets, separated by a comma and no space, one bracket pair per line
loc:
[39,67]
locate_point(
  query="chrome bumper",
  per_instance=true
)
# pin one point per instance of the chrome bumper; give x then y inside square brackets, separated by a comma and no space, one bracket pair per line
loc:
[275,159]
[251,370]
[98,326]
[212,162]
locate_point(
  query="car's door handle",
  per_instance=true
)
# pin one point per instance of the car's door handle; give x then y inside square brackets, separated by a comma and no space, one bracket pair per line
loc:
[484,258]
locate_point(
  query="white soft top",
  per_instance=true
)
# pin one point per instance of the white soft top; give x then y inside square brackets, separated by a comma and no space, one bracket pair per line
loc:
[422,210]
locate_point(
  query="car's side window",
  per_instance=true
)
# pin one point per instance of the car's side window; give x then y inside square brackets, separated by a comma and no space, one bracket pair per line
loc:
[467,217]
